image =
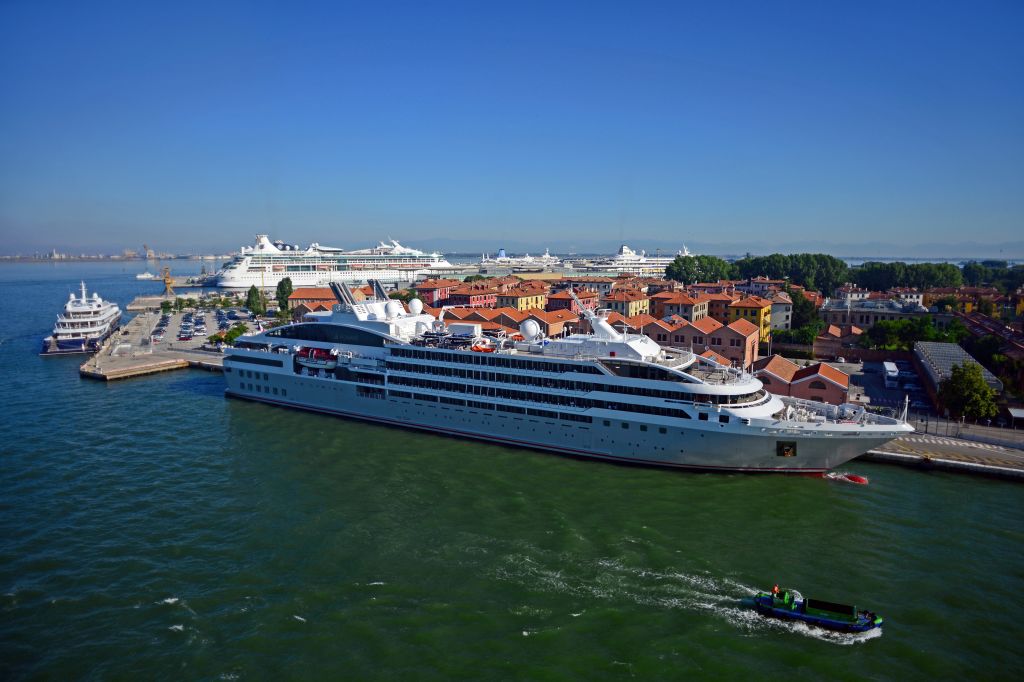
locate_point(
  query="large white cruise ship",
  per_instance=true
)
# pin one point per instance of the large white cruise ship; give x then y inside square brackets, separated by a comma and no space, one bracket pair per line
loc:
[83,325]
[631,262]
[266,263]
[604,395]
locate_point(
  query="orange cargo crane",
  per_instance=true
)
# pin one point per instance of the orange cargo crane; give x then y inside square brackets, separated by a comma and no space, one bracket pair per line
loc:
[168,283]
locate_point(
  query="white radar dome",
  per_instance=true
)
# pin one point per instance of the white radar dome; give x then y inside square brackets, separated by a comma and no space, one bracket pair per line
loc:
[415,306]
[529,329]
[392,309]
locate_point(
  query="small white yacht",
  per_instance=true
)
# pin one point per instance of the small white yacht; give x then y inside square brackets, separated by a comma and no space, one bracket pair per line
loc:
[83,325]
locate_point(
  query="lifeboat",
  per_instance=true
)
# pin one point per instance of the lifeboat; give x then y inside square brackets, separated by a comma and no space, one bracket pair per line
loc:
[317,358]
[482,346]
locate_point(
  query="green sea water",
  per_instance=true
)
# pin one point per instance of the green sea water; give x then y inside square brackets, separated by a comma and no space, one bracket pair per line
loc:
[152,529]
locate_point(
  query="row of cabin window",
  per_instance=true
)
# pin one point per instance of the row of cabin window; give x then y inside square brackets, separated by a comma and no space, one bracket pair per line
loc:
[524,396]
[263,389]
[547,414]
[506,361]
[561,385]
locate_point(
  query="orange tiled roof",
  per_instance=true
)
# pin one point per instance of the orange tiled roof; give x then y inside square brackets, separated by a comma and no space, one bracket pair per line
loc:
[707,325]
[437,283]
[553,316]
[580,294]
[744,327]
[313,294]
[641,320]
[625,295]
[720,359]
[751,302]
[825,371]
[777,366]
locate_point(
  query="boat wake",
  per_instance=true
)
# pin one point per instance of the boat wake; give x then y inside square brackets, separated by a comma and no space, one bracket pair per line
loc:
[611,580]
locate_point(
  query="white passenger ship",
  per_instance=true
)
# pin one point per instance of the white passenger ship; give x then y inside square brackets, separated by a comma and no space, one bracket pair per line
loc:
[605,395]
[83,325]
[637,263]
[266,263]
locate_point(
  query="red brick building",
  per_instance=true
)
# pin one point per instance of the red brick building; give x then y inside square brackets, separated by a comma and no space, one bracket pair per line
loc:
[434,292]
[819,382]
[563,301]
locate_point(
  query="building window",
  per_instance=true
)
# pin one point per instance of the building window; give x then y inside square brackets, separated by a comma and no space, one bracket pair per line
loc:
[818,386]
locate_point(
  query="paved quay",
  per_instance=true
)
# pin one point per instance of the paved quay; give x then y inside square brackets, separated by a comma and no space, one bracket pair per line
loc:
[130,353]
[926,451]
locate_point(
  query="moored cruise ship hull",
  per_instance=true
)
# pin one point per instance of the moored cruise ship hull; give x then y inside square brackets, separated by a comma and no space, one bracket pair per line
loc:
[635,439]
[269,280]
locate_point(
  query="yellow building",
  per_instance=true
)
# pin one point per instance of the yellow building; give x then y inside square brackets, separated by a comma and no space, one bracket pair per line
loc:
[753,309]
[627,302]
[523,300]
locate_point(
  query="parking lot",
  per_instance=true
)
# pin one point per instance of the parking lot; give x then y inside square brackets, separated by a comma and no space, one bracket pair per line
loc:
[867,385]
[188,331]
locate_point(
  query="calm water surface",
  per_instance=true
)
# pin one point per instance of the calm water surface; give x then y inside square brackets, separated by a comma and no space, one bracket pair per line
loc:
[152,529]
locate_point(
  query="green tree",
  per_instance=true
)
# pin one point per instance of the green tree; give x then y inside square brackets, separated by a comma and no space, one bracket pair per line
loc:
[255,301]
[810,270]
[404,295]
[474,278]
[692,269]
[284,290]
[166,306]
[966,394]
[232,334]
[975,273]
[946,302]
[804,311]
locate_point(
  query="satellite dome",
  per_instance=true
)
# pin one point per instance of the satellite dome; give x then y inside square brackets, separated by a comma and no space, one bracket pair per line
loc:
[392,309]
[415,306]
[529,329]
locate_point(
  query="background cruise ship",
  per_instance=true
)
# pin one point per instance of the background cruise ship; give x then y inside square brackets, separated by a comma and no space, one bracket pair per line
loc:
[83,325]
[605,395]
[629,261]
[266,263]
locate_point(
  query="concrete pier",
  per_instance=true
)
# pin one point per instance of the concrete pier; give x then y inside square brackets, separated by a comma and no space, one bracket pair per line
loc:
[928,452]
[130,352]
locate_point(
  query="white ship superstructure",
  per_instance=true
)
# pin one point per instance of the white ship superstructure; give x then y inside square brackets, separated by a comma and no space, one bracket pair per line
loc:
[638,263]
[605,395]
[266,263]
[83,325]
[503,260]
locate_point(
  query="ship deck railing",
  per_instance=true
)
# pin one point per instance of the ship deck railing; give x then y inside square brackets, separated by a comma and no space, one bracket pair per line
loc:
[837,414]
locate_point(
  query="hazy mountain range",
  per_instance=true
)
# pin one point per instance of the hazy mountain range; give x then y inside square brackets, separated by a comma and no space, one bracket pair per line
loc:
[1013,250]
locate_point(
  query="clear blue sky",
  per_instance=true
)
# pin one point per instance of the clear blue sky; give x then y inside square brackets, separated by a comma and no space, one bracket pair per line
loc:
[194,125]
